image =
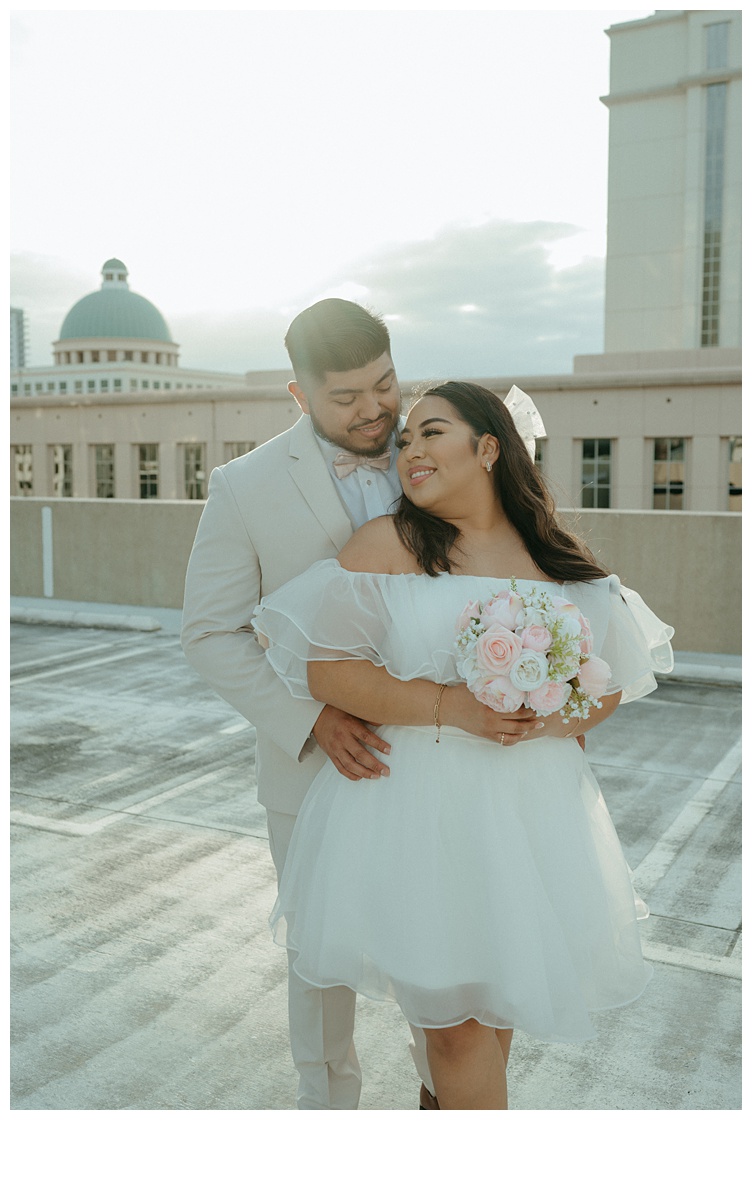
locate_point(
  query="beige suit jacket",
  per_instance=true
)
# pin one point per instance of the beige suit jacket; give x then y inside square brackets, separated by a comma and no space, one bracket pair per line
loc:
[269,515]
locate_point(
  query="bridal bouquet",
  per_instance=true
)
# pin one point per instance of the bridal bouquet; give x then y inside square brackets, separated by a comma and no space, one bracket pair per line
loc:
[533,650]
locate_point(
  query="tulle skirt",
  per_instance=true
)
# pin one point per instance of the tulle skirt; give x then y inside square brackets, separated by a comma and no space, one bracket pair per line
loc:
[476,881]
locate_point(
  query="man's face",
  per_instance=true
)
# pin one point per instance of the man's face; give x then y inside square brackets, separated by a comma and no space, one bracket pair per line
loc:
[356,410]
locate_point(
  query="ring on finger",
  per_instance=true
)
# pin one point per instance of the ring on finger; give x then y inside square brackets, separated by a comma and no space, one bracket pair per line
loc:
[501,739]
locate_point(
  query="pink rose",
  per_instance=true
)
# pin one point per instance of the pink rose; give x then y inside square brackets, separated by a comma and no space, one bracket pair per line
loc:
[497,650]
[499,694]
[536,637]
[549,698]
[470,612]
[504,609]
[594,676]
[586,642]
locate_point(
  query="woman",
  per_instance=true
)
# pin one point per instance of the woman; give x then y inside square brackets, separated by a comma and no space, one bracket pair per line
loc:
[482,885]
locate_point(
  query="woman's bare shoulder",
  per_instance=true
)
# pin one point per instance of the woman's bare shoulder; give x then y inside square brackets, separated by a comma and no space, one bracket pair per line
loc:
[376,548]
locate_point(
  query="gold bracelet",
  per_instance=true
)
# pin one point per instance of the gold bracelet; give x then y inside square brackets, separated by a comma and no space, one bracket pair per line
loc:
[574,733]
[436,720]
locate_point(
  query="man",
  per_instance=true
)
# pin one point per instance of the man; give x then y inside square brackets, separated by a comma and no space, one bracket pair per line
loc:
[269,515]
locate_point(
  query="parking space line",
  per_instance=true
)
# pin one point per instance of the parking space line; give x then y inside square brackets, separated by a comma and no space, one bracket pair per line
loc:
[79,666]
[70,655]
[657,861]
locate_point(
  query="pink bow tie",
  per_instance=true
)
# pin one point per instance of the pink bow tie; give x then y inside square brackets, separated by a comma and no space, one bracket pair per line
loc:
[344,464]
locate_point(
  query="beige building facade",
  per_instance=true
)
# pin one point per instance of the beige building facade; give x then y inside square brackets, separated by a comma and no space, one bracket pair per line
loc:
[653,439]
[673,268]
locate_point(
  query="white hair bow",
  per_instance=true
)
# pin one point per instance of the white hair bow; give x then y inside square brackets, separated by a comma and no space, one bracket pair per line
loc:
[528,421]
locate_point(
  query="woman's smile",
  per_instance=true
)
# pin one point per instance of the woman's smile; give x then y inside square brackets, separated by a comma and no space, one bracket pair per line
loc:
[418,475]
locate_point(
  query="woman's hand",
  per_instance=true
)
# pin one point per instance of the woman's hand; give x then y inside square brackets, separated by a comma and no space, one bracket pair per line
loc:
[576,727]
[460,708]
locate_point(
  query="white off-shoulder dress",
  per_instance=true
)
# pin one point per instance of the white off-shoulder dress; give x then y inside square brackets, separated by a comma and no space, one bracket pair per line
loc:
[476,880]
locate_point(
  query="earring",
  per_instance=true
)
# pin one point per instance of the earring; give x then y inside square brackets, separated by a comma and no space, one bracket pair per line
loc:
[487,465]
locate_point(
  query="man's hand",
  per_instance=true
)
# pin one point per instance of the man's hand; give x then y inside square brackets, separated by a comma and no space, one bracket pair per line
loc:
[345,740]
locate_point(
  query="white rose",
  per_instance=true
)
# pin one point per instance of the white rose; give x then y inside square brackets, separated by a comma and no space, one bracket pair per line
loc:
[534,616]
[530,670]
[570,627]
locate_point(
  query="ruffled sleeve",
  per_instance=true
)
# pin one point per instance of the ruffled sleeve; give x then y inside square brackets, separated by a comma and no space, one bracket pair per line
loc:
[636,644]
[329,613]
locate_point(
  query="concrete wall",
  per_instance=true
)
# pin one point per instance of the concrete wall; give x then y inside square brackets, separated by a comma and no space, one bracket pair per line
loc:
[110,551]
[687,566]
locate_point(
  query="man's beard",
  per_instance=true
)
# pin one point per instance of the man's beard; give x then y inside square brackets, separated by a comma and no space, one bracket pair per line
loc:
[368,452]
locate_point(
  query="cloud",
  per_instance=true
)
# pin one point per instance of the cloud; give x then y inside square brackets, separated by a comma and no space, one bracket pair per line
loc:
[485,300]
[472,301]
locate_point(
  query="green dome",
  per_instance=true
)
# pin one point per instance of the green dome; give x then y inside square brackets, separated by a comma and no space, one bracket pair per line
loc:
[115,311]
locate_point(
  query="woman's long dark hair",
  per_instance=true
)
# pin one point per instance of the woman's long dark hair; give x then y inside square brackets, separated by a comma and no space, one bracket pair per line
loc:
[519,485]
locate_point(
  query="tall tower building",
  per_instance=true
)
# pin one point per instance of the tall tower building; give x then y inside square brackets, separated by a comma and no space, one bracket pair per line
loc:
[17,338]
[673,270]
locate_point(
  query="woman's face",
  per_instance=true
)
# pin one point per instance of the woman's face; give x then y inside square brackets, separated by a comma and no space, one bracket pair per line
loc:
[440,466]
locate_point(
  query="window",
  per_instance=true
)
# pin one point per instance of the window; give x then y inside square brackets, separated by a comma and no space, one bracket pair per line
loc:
[128,355]
[236,449]
[63,387]
[148,471]
[104,471]
[193,471]
[50,387]
[117,385]
[78,386]
[27,389]
[14,389]
[156,384]
[715,133]
[38,387]
[668,473]
[167,387]
[22,474]
[91,385]
[112,355]
[134,385]
[62,470]
[95,356]
[735,474]
[104,385]
[716,45]
[144,383]
[596,473]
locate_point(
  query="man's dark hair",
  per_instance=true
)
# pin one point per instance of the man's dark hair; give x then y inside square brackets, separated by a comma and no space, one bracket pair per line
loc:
[334,335]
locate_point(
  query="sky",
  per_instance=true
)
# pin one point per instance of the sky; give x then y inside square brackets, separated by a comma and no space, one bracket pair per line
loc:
[446,168]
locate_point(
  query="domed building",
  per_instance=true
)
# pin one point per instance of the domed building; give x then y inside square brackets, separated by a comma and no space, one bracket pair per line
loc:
[115,323]
[115,416]
[112,341]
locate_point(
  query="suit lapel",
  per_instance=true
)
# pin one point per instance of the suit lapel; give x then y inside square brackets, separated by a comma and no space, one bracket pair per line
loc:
[310,475]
